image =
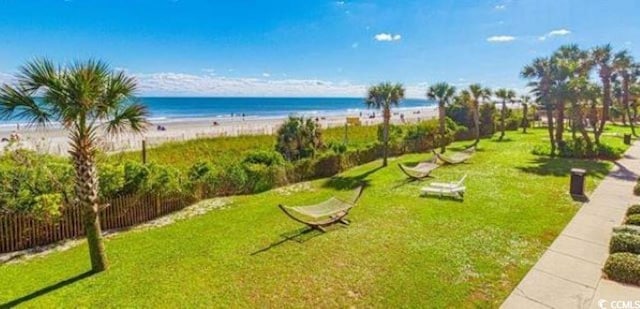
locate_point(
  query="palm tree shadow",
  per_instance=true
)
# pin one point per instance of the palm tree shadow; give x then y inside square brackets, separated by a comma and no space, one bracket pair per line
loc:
[546,166]
[300,236]
[350,182]
[47,289]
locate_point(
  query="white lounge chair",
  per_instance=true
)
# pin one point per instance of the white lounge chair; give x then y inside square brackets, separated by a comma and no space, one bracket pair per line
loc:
[452,189]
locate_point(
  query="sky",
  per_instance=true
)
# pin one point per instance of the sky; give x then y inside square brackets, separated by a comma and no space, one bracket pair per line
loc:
[309,47]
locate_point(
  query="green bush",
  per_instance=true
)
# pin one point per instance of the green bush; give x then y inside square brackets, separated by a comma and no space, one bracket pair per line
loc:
[623,267]
[633,219]
[629,229]
[111,179]
[636,188]
[299,138]
[266,157]
[633,210]
[624,242]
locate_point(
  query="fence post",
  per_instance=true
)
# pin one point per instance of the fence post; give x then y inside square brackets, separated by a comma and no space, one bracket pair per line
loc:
[144,151]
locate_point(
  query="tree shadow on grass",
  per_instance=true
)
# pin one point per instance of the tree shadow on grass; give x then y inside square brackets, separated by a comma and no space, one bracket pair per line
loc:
[340,182]
[545,166]
[300,236]
[47,289]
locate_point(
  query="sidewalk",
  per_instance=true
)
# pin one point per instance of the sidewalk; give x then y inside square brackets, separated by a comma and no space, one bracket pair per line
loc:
[569,273]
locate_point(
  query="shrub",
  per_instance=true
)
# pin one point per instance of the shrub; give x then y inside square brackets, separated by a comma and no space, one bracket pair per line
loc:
[624,242]
[633,219]
[629,229]
[261,177]
[298,138]
[636,188]
[265,157]
[337,147]
[633,210]
[111,179]
[623,267]
[395,134]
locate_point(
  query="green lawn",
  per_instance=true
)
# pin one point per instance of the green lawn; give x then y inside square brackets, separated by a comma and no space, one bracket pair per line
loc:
[401,250]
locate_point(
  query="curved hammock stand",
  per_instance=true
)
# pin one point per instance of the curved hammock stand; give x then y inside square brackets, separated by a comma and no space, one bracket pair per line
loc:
[420,171]
[319,216]
[456,158]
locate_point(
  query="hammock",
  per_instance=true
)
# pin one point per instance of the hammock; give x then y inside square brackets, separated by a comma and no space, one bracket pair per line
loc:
[456,158]
[420,171]
[323,214]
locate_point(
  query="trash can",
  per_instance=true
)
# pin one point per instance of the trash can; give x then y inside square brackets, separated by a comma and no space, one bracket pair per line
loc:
[577,181]
[627,139]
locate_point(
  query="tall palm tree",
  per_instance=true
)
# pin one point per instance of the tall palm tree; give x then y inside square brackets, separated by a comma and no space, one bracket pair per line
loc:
[506,95]
[628,70]
[477,94]
[443,93]
[384,96]
[572,66]
[602,58]
[540,72]
[525,100]
[87,99]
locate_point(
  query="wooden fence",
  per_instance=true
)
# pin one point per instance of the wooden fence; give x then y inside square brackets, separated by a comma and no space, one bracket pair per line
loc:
[22,231]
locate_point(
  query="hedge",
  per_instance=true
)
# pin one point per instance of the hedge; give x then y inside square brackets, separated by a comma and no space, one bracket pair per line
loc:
[629,229]
[624,242]
[633,210]
[633,219]
[623,267]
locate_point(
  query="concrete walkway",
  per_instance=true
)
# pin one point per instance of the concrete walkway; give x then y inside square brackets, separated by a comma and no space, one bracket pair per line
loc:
[569,273]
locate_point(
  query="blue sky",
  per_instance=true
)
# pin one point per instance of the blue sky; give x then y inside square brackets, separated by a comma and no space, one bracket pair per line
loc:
[309,47]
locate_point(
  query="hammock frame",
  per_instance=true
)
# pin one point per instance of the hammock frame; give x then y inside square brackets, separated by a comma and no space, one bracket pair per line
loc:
[421,171]
[457,158]
[319,223]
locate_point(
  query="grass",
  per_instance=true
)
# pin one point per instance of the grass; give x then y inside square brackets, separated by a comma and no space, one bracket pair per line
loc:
[182,154]
[401,250]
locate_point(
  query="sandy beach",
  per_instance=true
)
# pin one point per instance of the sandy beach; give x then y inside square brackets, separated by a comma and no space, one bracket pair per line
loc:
[53,140]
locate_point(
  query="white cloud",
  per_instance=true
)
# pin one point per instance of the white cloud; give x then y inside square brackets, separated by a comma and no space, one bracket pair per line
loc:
[387,37]
[500,38]
[500,7]
[558,32]
[265,74]
[554,33]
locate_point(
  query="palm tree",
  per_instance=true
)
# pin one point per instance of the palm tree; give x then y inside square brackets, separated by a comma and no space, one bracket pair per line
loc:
[572,66]
[477,94]
[601,57]
[525,100]
[383,96]
[87,99]
[443,93]
[628,70]
[540,71]
[505,95]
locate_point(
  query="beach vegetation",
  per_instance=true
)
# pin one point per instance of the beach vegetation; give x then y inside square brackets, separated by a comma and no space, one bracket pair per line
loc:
[505,96]
[299,138]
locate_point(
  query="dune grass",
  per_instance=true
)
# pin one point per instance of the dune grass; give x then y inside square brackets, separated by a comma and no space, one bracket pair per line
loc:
[401,250]
[184,154]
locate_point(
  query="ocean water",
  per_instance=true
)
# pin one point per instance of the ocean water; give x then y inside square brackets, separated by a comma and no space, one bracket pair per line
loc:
[175,108]
[171,109]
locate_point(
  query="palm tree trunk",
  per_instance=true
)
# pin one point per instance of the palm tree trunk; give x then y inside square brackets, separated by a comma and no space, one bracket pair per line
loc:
[525,119]
[442,115]
[86,189]
[503,115]
[476,122]
[385,136]
[625,103]
[551,128]
[606,104]
[560,123]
